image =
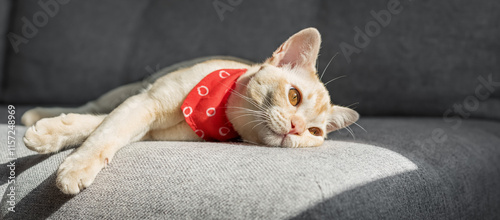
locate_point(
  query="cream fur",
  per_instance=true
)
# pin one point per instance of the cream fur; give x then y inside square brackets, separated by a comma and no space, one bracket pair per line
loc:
[259,110]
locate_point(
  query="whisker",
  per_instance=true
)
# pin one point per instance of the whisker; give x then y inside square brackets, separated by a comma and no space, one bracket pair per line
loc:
[247,112]
[354,122]
[239,116]
[251,142]
[256,120]
[360,127]
[335,79]
[248,99]
[339,131]
[245,85]
[258,125]
[356,103]
[250,114]
[241,109]
[328,65]
[351,132]
[266,102]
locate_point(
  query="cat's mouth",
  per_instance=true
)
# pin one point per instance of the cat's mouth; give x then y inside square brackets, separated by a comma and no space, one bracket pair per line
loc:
[281,137]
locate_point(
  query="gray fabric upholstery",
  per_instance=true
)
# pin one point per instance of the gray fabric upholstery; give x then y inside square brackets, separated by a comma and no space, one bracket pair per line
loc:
[383,173]
[429,57]
[429,60]
[4,27]
[100,45]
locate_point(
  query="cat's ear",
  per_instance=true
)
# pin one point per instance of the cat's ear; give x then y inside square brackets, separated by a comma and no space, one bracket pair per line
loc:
[341,117]
[300,50]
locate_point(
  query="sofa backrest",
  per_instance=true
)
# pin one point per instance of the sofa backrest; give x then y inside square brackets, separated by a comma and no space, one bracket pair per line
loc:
[5,9]
[400,57]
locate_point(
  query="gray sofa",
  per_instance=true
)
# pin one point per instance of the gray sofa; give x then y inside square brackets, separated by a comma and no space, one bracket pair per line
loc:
[424,75]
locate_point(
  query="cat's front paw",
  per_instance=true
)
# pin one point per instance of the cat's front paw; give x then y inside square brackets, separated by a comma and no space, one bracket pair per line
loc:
[77,173]
[44,137]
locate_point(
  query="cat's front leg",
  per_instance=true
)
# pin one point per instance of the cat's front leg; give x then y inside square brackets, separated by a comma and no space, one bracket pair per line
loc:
[53,134]
[127,123]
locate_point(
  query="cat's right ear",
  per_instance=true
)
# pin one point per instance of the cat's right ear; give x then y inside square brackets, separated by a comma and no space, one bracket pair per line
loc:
[300,50]
[341,117]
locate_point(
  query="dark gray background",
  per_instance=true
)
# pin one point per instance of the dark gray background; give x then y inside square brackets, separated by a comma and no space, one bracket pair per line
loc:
[4,18]
[426,60]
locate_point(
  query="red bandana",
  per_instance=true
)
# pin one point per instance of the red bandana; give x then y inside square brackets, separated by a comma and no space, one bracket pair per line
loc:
[205,106]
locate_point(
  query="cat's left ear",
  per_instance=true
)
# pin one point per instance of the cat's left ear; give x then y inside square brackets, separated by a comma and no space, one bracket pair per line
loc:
[300,50]
[341,117]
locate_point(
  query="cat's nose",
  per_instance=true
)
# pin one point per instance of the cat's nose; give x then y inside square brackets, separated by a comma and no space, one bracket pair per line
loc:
[297,125]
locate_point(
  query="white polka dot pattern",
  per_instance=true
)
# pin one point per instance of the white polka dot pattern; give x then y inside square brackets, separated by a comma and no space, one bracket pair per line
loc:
[187,111]
[200,133]
[223,131]
[223,74]
[202,90]
[210,112]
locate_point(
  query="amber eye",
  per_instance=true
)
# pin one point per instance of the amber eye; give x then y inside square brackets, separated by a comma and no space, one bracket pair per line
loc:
[316,131]
[294,96]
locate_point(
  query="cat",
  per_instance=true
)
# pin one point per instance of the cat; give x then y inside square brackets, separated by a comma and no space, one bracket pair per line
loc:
[280,102]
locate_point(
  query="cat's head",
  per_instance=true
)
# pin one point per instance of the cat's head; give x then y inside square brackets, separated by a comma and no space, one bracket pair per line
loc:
[282,102]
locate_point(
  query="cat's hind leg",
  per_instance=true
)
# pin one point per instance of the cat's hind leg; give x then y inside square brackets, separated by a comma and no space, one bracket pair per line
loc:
[103,105]
[53,134]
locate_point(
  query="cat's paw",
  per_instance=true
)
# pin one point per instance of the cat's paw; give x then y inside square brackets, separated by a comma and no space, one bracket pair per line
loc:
[31,116]
[77,173]
[47,135]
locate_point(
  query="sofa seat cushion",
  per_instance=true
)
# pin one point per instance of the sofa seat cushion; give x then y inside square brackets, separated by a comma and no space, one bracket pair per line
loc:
[392,170]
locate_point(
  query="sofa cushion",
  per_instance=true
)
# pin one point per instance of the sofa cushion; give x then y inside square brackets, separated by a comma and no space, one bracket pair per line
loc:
[391,171]
[97,46]
[428,57]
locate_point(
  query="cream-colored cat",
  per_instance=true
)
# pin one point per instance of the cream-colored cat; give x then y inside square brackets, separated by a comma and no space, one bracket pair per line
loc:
[280,102]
